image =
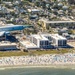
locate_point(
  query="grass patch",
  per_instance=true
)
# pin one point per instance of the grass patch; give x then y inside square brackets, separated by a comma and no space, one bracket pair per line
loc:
[12,53]
[62,51]
[20,53]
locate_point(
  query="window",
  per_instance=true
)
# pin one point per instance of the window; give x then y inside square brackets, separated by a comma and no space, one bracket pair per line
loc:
[64,42]
[41,42]
[46,43]
[59,42]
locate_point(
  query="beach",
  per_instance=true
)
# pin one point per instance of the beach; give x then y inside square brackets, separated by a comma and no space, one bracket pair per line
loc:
[49,60]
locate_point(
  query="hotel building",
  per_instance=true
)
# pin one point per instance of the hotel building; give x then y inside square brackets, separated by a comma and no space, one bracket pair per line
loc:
[44,41]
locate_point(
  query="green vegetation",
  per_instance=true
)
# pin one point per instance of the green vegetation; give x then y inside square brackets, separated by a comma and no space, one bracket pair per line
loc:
[25,1]
[12,53]
[62,51]
[20,53]
[72,31]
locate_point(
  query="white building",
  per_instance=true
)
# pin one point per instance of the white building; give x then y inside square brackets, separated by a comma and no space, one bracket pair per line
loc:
[46,23]
[6,45]
[58,40]
[40,41]
[44,41]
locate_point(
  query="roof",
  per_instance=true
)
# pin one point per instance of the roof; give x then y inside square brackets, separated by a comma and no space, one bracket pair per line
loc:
[44,36]
[33,10]
[39,37]
[2,33]
[28,44]
[14,27]
[9,25]
[73,36]
[7,43]
[47,21]
[58,37]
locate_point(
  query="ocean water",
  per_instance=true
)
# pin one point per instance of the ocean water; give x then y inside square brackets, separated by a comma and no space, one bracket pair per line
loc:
[37,71]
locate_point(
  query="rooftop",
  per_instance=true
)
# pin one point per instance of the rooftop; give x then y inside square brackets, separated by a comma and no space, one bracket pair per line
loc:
[8,25]
[58,37]
[47,21]
[2,33]
[7,43]
[39,37]
[43,36]
[28,44]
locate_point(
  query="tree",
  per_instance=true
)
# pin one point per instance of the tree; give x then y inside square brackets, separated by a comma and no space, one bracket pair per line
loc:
[44,4]
[37,3]
[71,1]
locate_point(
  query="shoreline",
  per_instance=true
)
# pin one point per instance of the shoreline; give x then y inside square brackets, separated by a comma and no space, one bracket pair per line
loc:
[38,66]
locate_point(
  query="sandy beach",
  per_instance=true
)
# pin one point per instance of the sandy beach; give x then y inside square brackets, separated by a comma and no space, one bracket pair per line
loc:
[49,60]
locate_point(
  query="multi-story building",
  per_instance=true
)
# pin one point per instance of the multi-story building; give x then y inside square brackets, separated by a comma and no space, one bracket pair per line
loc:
[44,41]
[58,40]
[40,41]
[46,24]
